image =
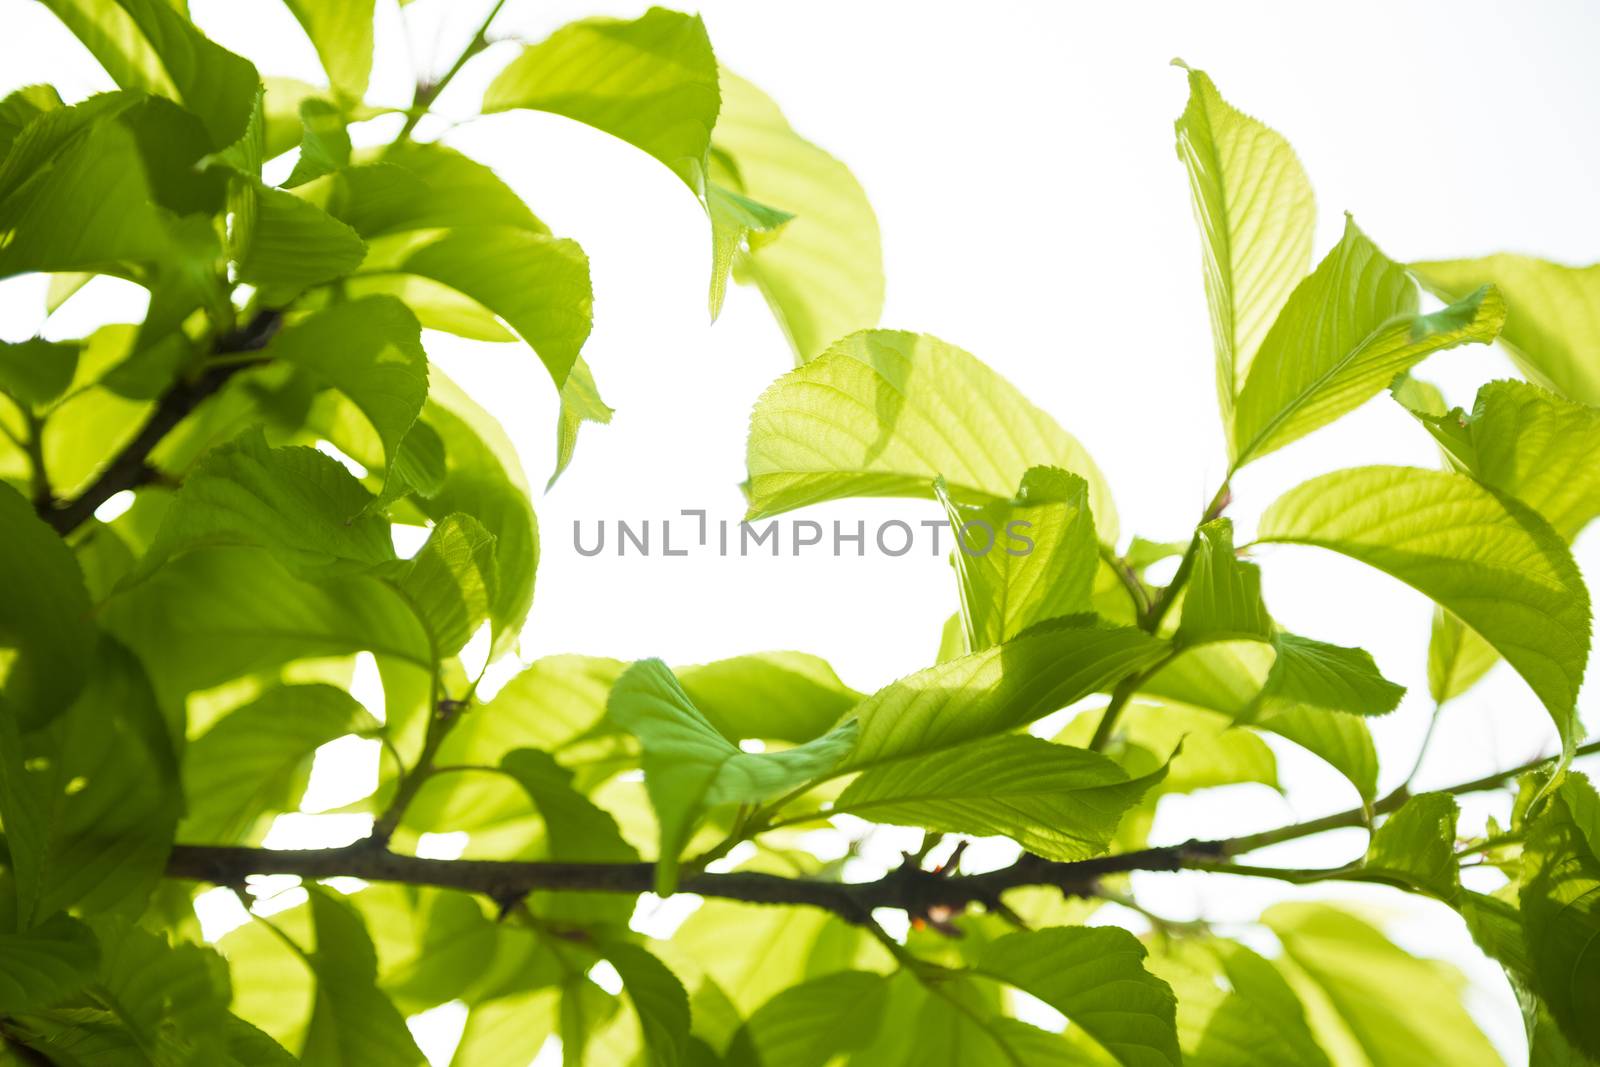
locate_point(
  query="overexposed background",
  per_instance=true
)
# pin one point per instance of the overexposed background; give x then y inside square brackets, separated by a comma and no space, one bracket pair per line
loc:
[1020,158]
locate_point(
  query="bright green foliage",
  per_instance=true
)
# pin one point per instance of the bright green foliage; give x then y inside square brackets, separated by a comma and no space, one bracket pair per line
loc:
[884,413]
[1481,555]
[1026,560]
[169,672]
[1552,329]
[1256,212]
[690,767]
[1347,330]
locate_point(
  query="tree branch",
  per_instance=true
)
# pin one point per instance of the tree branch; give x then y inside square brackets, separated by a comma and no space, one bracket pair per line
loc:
[907,888]
[128,470]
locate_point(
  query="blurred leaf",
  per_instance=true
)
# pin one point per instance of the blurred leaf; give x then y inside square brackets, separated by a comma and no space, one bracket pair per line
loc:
[1481,555]
[658,1000]
[352,1021]
[46,964]
[822,272]
[44,622]
[341,32]
[325,144]
[1214,752]
[1561,910]
[1552,330]
[884,413]
[808,1024]
[35,372]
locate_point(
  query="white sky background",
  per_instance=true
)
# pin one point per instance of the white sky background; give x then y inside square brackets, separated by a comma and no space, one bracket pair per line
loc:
[1020,158]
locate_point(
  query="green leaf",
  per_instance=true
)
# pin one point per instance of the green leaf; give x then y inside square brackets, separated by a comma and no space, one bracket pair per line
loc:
[370,349]
[690,767]
[89,801]
[35,372]
[1561,911]
[1530,444]
[341,32]
[292,245]
[46,964]
[1415,847]
[822,273]
[1339,738]
[1097,979]
[1483,556]
[1256,215]
[1553,328]
[1312,674]
[451,581]
[537,283]
[1396,1009]
[412,186]
[21,107]
[352,1021]
[325,144]
[1214,753]
[218,613]
[302,505]
[651,82]
[95,214]
[658,999]
[774,696]
[734,218]
[46,639]
[151,45]
[998,689]
[1223,599]
[1024,561]
[173,999]
[807,1025]
[1061,802]
[1344,335]
[580,403]
[1234,1008]
[256,760]
[884,413]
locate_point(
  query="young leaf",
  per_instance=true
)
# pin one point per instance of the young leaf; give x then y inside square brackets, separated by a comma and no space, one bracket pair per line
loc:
[1234,1008]
[1256,215]
[1553,329]
[152,46]
[1399,1010]
[1207,750]
[884,413]
[325,145]
[1344,335]
[1491,561]
[822,272]
[580,403]
[1415,847]
[651,82]
[775,696]
[370,349]
[1561,910]
[1097,979]
[734,218]
[292,244]
[1223,600]
[998,689]
[257,759]
[1024,561]
[690,767]
[341,32]
[46,639]
[1061,802]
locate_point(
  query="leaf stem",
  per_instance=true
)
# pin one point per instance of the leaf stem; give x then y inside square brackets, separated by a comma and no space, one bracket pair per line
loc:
[426,92]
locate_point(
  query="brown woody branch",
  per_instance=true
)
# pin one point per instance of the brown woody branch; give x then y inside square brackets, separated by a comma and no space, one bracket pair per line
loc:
[908,888]
[130,468]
